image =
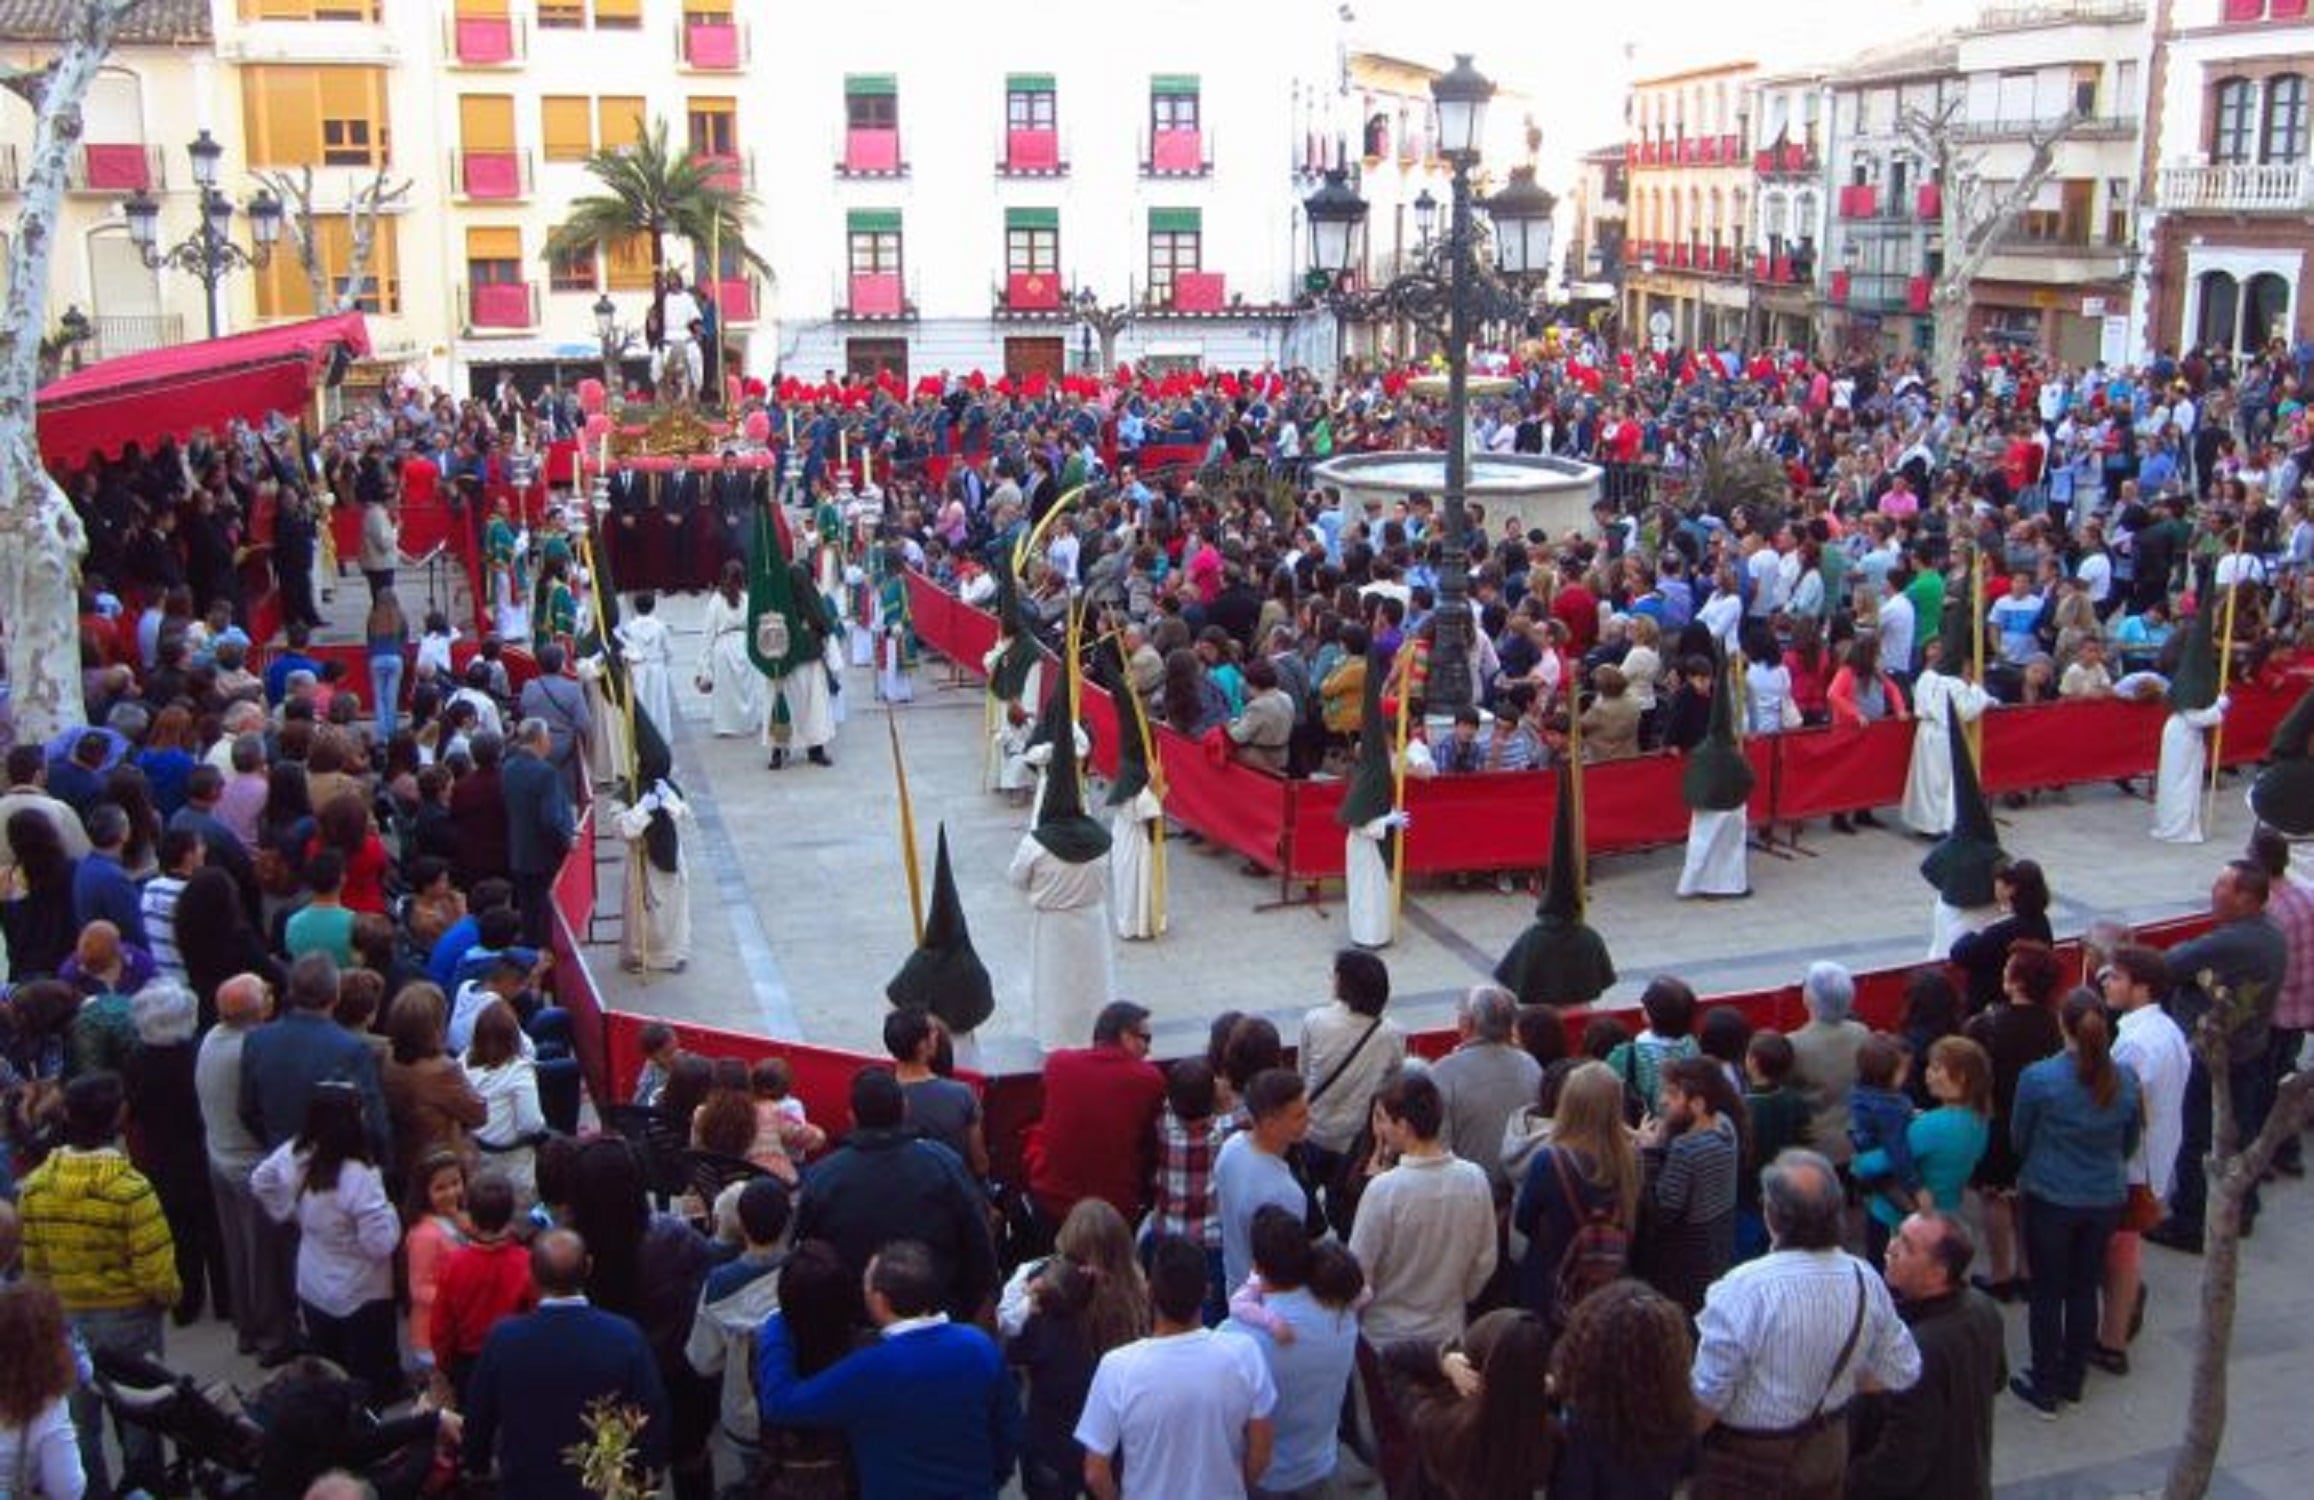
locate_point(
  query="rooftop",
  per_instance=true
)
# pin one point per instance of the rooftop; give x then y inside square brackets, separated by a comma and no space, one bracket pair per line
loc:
[156,22]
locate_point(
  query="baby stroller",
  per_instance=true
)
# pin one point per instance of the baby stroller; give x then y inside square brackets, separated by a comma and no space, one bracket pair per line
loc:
[213,1445]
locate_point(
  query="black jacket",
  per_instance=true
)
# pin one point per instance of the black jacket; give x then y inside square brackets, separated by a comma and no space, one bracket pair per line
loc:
[886,1185]
[1935,1441]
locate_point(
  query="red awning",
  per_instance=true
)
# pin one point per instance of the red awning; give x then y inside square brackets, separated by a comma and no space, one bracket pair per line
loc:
[175,391]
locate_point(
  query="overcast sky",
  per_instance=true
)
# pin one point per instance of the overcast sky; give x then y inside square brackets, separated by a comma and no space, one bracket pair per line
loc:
[1574,61]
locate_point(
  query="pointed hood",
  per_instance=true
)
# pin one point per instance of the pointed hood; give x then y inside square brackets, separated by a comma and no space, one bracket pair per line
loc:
[2195,684]
[1132,765]
[655,763]
[1957,641]
[1017,643]
[944,974]
[1061,823]
[1373,790]
[1718,778]
[2282,796]
[1559,960]
[1962,864]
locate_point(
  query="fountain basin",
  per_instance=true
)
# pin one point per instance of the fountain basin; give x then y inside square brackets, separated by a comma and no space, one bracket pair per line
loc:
[1537,491]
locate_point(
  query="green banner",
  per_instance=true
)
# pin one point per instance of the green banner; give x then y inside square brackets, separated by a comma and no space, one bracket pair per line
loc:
[882,85]
[1028,83]
[1173,83]
[1032,218]
[873,221]
[1176,221]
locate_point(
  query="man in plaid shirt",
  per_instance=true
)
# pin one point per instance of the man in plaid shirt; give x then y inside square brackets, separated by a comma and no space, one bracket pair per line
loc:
[1189,1136]
[2289,906]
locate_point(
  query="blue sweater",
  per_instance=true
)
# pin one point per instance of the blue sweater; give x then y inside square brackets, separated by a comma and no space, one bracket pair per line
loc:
[2075,1154]
[1946,1144]
[529,1392]
[931,1414]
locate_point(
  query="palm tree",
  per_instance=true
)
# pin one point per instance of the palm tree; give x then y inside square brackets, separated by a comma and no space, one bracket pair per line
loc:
[650,188]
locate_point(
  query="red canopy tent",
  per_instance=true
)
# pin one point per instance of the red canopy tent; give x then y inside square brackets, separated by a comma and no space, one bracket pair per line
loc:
[173,392]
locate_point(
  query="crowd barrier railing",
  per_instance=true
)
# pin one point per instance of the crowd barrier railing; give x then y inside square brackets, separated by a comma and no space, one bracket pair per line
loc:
[1502,820]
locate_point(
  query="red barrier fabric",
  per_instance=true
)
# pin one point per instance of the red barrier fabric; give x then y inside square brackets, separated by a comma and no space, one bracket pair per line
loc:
[1823,771]
[2100,740]
[1228,802]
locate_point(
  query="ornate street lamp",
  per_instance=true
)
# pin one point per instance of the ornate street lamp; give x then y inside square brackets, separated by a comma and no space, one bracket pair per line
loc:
[1521,214]
[208,254]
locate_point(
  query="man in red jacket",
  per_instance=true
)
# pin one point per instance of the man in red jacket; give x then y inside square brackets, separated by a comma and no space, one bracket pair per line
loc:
[1100,1117]
[481,1283]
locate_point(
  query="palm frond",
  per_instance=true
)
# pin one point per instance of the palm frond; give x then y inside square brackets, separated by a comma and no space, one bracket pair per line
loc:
[654,187]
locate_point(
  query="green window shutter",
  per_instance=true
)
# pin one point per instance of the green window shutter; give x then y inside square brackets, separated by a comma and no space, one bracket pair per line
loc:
[1028,83]
[1176,221]
[884,85]
[1173,83]
[873,221]
[1032,218]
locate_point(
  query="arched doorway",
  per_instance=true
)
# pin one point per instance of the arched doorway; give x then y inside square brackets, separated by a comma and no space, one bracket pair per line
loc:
[2265,309]
[2220,297]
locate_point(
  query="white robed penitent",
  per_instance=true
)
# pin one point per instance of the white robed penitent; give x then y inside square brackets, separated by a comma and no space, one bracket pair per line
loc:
[1069,973]
[1133,867]
[656,926]
[1718,861]
[2182,777]
[734,687]
[1937,697]
[649,649]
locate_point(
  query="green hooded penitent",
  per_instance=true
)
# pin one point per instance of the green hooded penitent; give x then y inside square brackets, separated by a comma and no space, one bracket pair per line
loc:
[1957,642]
[1061,823]
[2282,796]
[1962,864]
[1132,766]
[1017,647]
[2196,684]
[781,635]
[1559,960]
[1718,778]
[1373,791]
[944,974]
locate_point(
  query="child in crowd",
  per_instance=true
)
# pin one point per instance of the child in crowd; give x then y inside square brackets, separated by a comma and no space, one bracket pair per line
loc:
[434,646]
[435,1211]
[1778,1116]
[1879,1115]
[657,1039]
[1190,1130]
[779,1114]
[483,1281]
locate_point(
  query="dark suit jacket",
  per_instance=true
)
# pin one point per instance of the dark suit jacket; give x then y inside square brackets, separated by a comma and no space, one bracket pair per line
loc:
[478,804]
[886,1185]
[539,821]
[530,1388]
[285,1060]
[1935,1441]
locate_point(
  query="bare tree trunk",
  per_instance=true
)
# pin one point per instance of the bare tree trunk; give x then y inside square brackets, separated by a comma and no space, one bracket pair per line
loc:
[2231,1176]
[363,206]
[296,194]
[41,538]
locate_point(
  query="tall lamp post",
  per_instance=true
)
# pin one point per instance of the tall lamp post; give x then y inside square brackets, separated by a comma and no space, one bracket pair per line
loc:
[209,252]
[1448,290]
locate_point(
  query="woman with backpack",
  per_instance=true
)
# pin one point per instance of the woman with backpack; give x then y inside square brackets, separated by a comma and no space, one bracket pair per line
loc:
[1578,1204]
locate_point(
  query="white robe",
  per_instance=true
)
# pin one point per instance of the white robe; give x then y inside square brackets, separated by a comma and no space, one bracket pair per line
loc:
[1936,698]
[606,747]
[1133,867]
[895,680]
[1033,762]
[1366,879]
[509,606]
[861,633]
[655,926]
[1069,977]
[1947,925]
[650,656]
[735,688]
[1010,752]
[2179,783]
[810,709]
[1717,860]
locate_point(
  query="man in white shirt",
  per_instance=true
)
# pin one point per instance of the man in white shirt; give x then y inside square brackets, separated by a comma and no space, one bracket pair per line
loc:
[1897,626]
[1425,1228]
[1187,1408]
[2154,1049]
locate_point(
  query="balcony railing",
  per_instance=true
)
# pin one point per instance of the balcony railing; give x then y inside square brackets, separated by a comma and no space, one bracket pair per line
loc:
[870,153]
[731,170]
[484,41]
[712,46]
[2238,187]
[134,333]
[491,176]
[875,297]
[502,305]
[2095,127]
[1177,153]
[1035,293]
[1032,153]
[96,167]
[1790,159]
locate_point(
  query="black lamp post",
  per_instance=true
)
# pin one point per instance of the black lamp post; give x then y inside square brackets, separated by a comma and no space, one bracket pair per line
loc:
[1449,289]
[209,252]
[613,340]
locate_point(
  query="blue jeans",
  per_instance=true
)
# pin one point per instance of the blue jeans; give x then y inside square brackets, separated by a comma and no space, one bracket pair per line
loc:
[123,1330]
[386,682]
[2065,1249]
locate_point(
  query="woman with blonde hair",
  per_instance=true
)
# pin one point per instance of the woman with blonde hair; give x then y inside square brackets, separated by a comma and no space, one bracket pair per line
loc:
[1589,1171]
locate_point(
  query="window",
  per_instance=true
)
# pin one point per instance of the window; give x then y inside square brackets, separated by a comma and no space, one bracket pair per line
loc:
[282,291]
[319,10]
[297,116]
[874,241]
[2285,127]
[619,121]
[871,102]
[1032,241]
[627,263]
[2230,141]
[486,122]
[1173,101]
[574,271]
[566,124]
[618,15]
[494,256]
[714,127]
[706,13]
[1176,244]
[562,15]
[2117,211]
[1029,102]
